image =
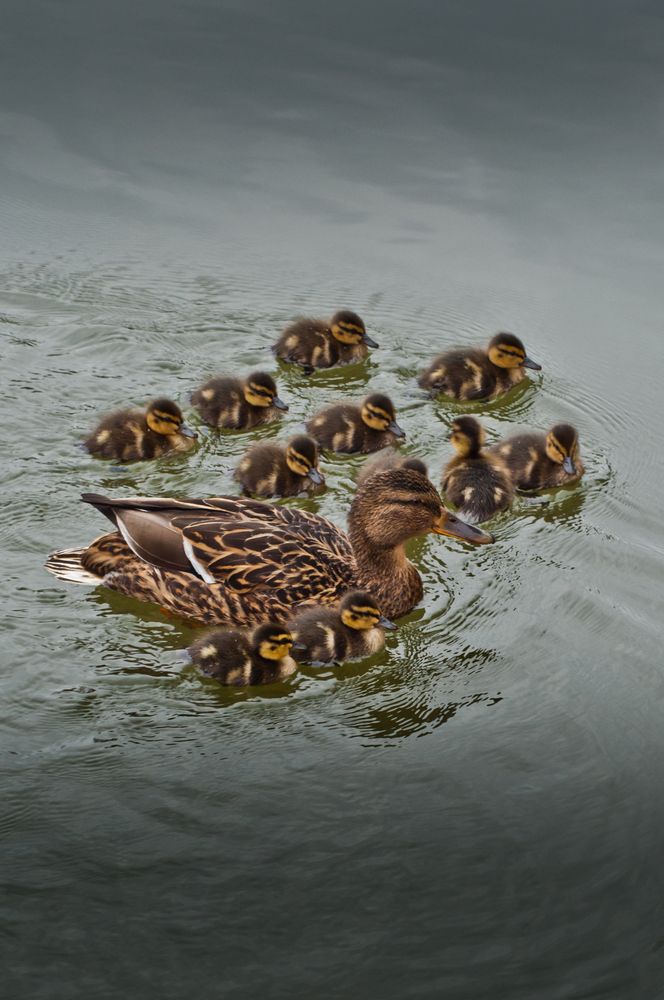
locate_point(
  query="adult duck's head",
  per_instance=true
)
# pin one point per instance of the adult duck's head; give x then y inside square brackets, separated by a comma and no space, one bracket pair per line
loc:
[393,506]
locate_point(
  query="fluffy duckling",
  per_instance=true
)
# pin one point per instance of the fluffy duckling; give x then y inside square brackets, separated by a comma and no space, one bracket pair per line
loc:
[473,373]
[390,460]
[347,428]
[226,401]
[540,461]
[355,628]
[320,343]
[268,469]
[136,435]
[475,481]
[242,657]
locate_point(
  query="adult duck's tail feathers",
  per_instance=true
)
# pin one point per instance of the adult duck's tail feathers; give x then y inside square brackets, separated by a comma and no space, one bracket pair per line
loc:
[66,565]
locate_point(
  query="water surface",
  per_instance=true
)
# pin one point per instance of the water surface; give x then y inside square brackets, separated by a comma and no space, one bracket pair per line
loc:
[478,811]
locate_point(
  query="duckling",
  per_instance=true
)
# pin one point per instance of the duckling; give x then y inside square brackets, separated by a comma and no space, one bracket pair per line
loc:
[473,373]
[350,631]
[319,343]
[347,428]
[242,657]
[474,481]
[390,460]
[540,461]
[226,401]
[136,435]
[268,469]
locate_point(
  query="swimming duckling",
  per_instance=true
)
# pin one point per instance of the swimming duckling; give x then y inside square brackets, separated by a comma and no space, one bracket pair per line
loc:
[136,435]
[226,401]
[242,657]
[540,461]
[319,343]
[350,631]
[268,469]
[473,373]
[347,428]
[475,481]
[390,459]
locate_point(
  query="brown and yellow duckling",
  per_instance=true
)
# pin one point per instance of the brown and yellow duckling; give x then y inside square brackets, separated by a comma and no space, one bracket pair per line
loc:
[473,373]
[319,343]
[541,461]
[476,482]
[345,427]
[242,657]
[232,560]
[269,469]
[390,459]
[352,630]
[238,403]
[138,435]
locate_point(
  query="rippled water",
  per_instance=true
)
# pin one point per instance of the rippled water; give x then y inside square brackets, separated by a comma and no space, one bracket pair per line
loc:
[477,811]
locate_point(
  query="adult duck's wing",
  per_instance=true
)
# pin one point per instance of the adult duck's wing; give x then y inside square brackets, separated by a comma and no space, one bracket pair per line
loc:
[146,524]
[302,558]
[244,544]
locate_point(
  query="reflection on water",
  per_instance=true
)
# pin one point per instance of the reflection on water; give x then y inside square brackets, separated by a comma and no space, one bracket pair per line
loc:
[177,182]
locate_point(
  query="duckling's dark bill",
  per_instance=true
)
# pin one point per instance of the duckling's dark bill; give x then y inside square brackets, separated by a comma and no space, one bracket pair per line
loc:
[187,431]
[456,528]
[396,430]
[315,476]
[569,466]
[386,623]
[279,403]
[369,341]
[529,363]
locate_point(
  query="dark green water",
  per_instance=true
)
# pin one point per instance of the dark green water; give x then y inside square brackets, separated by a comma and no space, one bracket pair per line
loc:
[479,811]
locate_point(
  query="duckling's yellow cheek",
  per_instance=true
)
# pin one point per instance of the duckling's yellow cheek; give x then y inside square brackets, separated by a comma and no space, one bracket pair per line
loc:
[103,437]
[207,394]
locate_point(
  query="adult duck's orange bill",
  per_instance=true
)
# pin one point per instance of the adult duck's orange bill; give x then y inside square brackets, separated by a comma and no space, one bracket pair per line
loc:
[453,526]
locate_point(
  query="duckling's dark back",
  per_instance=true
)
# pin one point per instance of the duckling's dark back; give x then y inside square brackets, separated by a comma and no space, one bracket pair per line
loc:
[529,465]
[264,471]
[308,342]
[229,656]
[321,631]
[224,654]
[462,373]
[340,428]
[125,436]
[221,403]
[480,487]
[390,459]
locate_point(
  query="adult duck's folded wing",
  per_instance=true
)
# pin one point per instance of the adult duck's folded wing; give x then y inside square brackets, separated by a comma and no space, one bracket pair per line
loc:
[252,557]
[244,544]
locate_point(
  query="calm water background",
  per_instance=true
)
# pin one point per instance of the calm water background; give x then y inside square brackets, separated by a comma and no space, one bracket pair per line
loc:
[479,812]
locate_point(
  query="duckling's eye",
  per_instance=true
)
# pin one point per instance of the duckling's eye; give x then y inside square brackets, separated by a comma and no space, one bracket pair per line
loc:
[379,414]
[261,390]
[512,352]
[296,459]
[365,612]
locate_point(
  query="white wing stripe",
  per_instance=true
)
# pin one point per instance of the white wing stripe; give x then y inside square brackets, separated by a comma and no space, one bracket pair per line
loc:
[200,569]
